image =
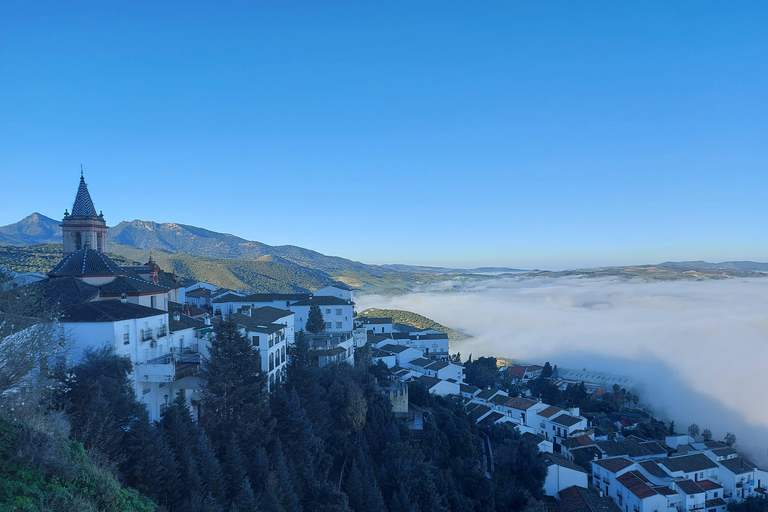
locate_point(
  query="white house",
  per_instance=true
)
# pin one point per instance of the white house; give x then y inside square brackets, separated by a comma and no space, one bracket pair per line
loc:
[403,355]
[270,339]
[434,344]
[606,471]
[136,332]
[338,314]
[337,290]
[377,325]
[561,474]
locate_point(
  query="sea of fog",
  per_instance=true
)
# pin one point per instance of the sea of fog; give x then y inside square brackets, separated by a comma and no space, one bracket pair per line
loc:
[700,348]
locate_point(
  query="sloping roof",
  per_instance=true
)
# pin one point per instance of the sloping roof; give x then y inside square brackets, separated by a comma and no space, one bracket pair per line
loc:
[428,382]
[478,412]
[466,388]
[654,448]
[717,502]
[573,442]
[709,485]
[579,499]
[566,420]
[724,452]
[490,419]
[689,487]
[549,411]
[555,458]
[653,469]
[184,322]
[738,465]
[371,320]
[395,349]
[688,463]
[64,290]
[521,404]
[268,314]
[420,362]
[636,484]
[83,204]
[201,292]
[614,465]
[499,400]
[714,444]
[487,393]
[438,365]
[87,263]
[322,300]
[107,311]
[253,325]
[131,286]
[430,336]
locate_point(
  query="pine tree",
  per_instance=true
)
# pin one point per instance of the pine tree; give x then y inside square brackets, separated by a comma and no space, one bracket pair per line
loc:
[286,488]
[315,320]
[210,470]
[234,469]
[99,399]
[246,498]
[234,400]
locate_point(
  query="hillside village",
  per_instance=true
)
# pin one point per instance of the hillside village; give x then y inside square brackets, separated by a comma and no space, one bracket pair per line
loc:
[164,326]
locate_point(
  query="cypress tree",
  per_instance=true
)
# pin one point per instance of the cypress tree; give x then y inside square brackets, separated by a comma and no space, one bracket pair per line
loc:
[315,320]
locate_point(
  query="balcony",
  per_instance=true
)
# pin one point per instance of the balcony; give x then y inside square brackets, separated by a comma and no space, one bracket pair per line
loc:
[169,367]
[162,331]
[146,334]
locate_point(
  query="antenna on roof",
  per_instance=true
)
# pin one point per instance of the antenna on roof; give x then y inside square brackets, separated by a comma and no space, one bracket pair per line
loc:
[81,170]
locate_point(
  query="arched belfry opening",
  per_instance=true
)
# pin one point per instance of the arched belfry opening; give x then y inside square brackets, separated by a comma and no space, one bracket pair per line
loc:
[83,227]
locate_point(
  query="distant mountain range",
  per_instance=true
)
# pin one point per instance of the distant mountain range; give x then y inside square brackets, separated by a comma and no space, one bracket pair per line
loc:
[234,262]
[31,230]
[223,259]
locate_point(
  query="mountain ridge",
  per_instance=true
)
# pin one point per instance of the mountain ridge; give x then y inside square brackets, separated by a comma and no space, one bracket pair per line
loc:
[231,261]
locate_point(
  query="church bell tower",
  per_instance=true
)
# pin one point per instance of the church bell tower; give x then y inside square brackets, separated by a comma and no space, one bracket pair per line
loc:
[83,228]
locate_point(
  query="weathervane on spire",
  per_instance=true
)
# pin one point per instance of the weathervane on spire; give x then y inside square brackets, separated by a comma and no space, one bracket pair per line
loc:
[81,170]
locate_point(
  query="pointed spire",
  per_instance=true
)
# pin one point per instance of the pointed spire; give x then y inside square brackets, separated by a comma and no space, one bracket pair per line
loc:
[83,203]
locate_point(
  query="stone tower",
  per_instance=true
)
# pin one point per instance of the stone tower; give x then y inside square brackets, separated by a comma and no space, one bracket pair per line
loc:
[83,228]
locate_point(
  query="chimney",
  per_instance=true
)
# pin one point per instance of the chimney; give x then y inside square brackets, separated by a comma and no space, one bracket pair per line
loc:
[123,298]
[176,316]
[207,319]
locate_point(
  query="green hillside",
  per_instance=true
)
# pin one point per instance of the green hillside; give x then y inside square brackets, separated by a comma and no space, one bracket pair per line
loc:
[262,275]
[415,320]
[40,471]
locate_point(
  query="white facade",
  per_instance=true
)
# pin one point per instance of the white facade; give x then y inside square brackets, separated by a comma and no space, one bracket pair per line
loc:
[560,477]
[335,291]
[339,318]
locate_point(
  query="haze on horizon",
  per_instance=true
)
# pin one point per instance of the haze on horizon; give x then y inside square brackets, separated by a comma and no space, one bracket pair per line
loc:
[553,135]
[698,346]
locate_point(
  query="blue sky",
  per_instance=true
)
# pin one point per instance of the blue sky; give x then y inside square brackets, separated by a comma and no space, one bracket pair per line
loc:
[525,134]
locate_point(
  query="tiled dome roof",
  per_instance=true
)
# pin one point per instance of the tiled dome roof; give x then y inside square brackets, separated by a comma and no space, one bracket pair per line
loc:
[87,262]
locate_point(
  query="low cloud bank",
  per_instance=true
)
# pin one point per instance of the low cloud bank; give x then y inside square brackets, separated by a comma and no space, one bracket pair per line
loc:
[700,347]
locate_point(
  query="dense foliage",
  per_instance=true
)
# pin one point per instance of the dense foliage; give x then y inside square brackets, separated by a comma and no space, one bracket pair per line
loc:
[412,320]
[325,440]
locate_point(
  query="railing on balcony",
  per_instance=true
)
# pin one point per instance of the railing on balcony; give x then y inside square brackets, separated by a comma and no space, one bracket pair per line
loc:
[162,331]
[146,334]
[176,357]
